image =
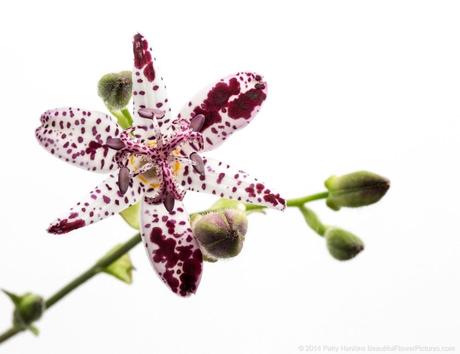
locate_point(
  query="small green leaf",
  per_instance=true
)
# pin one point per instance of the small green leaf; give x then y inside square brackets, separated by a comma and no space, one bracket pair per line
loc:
[122,268]
[131,216]
[35,331]
[13,297]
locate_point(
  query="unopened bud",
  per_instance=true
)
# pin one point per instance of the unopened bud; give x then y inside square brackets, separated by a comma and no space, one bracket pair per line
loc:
[356,189]
[28,308]
[115,89]
[342,245]
[221,233]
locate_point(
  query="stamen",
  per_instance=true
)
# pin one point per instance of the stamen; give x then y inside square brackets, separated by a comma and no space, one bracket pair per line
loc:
[123,180]
[150,113]
[198,165]
[115,143]
[197,122]
[168,202]
[145,168]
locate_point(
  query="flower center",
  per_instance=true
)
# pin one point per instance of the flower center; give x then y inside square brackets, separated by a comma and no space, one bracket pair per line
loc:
[155,162]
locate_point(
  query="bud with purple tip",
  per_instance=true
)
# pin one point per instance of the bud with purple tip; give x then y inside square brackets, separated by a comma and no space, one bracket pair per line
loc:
[220,233]
[342,245]
[355,189]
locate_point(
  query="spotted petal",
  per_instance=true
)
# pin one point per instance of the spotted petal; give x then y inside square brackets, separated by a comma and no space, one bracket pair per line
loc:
[226,182]
[228,105]
[149,90]
[103,201]
[78,136]
[171,247]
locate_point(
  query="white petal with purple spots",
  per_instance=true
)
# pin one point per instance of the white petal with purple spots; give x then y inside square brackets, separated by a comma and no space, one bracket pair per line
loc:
[103,201]
[227,106]
[149,91]
[79,137]
[171,247]
[222,180]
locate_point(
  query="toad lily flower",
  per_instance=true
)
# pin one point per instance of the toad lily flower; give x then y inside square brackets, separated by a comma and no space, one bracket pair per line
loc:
[157,160]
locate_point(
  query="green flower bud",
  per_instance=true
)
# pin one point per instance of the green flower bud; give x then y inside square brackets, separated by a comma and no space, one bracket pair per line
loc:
[223,203]
[356,189]
[28,308]
[342,245]
[115,89]
[220,234]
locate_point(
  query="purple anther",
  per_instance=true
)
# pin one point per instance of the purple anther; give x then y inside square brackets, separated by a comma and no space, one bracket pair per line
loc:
[196,123]
[150,113]
[158,113]
[115,143]
[123,180]
[168,202]
[198,165]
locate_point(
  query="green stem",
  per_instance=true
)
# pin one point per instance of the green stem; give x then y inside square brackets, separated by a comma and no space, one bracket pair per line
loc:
[296,202]
[312,220]
[104,262]
[9,333]
[127,115]
[121,119]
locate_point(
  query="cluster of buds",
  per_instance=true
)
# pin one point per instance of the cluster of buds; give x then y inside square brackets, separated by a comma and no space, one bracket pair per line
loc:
[352,190]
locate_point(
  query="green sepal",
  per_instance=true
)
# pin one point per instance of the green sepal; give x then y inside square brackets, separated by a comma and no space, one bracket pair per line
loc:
[122,268]
[34,330]
[15,299]
[132,216]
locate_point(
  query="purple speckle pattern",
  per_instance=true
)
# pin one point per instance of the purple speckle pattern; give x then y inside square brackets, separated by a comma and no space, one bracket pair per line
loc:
[227,106]
[78,136]
[149,89]
[158,160]
[103,201]
[171,247]
[224,181]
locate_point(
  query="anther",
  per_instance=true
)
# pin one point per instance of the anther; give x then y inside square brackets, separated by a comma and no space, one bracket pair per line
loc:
[198,165]
[115,143]
[123,180]
[168,202]
[151,113]
[196,123]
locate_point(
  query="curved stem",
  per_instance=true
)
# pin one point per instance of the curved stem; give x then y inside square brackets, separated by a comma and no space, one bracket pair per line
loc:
[102,263]
[92,271]
[312,220]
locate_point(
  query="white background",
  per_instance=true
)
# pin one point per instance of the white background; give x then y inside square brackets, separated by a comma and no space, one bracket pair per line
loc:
[352,85]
